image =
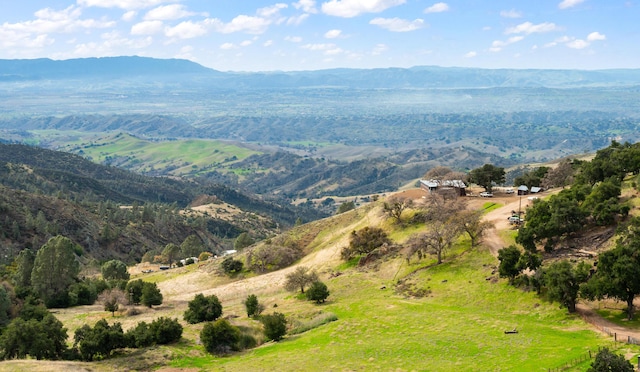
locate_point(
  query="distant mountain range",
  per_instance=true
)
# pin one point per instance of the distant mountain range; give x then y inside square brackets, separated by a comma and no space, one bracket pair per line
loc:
[380,78]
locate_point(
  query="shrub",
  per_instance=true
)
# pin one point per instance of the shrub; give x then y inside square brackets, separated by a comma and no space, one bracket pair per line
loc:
[365,241]
[203,309]
[98,342]
[275,326]
[254,308]
[204,256]
[139,336]
[114,269]
[607,361]
[231,266]
[134,291]
[165,330]
[151,294]
[43,338]
[220,337]
[318,292]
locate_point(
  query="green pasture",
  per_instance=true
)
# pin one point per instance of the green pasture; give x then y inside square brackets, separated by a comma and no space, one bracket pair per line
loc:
[459,326]
[178,157]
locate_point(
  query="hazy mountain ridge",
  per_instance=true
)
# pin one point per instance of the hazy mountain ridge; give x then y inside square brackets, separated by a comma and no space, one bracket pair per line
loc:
[416,77]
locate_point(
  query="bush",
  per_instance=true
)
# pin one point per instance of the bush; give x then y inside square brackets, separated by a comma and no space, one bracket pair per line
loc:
[98,342]
[607,361]
[151,294]
[140,336]
[220,337]
[231,266]
[203,309]
[43,338]
[254,308]
[204,256]
[365,241]
[114,269]
[275,326]
[318,292]
[165,330]
[134,291]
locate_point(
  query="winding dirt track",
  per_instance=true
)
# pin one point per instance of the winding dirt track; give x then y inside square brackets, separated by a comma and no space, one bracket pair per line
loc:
[493,241]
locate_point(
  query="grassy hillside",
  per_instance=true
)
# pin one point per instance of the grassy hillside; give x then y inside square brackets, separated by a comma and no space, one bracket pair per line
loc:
[394,315]
[174,157]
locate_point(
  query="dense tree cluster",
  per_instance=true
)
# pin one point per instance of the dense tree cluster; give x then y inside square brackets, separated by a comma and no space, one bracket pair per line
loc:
[203,309]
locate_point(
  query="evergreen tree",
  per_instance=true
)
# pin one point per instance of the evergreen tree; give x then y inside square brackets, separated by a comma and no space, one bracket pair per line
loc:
[55,268]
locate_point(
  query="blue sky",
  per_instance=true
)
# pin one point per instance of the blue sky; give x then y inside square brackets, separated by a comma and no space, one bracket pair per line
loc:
[256,35]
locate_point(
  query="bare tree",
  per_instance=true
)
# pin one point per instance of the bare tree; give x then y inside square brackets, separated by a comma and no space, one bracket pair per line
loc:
[560,176]
[394,206]
[112,299]
[471,223]
[300,278]
[437,240]
[437,173]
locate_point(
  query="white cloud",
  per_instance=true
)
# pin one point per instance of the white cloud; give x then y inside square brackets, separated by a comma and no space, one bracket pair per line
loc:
[272,11]
[129,16]
[497,45]
[578,44]
[246,43]
[333,34]
[397,24]
[50,21]
[529,28]
[333,51]
[227,46]
[353,8]
[565,4]
[307,6]
[511,14]
[437,8]
[319,47]
[242,23]
[379,49]
[596,36]
[122,4]
[186,30]
[167,12]
[267,43]
[293,39]
[296,20]
[470,54]
[147,28]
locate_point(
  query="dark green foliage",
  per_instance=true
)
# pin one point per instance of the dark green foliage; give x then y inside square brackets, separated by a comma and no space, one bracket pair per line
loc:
[487,175]
[5,306]
[203,309]
[114,269]
[242,241]
[531,178]
[317,292]
[608,361]
[98,342]
[299,279]
[365,241]
[346,206]
[563,282]
[151,295]
[253,306]
[231,266]
[55,268]
[139,336]
[275,326]
[134,291]
[618,272]
[24,267]
[37,338]
[170,253]
[165,330]
[32,308]
[220,337]
[192,246]
[83,293]
[509,258]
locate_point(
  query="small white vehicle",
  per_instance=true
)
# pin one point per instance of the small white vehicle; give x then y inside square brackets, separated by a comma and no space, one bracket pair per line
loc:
[509,191]
[486,194]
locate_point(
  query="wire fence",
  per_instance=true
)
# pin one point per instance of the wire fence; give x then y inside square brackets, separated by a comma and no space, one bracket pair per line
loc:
[619,340]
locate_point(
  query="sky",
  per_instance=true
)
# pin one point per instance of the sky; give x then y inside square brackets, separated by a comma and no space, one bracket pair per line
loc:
[258,35]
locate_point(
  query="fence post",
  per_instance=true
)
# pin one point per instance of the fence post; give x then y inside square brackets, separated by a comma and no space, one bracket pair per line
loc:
[615,337]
